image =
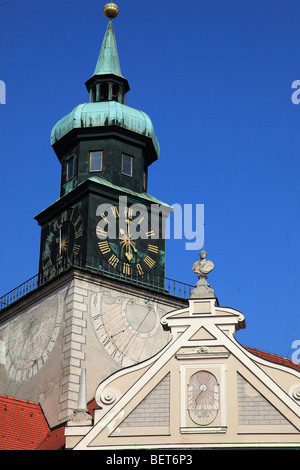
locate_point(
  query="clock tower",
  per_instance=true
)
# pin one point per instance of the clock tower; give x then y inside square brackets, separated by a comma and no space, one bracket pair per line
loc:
[100,293]
[105,218]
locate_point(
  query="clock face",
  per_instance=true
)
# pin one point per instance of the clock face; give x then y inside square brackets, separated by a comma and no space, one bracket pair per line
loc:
[128,329]
[64,239]
[133,250]
[30,338]
[203,397]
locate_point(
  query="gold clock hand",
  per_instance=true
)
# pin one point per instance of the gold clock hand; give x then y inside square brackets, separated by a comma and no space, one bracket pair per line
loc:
[132,245]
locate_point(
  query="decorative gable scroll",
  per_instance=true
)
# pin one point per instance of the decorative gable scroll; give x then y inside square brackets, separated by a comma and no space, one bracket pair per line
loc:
[202,390]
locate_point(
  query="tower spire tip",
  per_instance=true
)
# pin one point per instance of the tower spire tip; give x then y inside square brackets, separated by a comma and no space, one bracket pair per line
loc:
[111,10]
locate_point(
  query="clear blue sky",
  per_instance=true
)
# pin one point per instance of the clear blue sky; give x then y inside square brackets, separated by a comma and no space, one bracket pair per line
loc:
[215,77]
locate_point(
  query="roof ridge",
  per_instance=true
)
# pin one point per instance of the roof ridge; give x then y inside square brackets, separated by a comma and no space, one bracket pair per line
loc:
[272,357]
[19,401]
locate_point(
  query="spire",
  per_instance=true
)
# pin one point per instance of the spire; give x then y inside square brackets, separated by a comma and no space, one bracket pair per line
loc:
[108,61]
[108,83]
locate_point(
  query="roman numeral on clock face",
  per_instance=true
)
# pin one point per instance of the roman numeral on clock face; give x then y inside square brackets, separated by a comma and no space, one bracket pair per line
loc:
[101,233]
[149,261]
[104,247]
[104,217]
[126,268]
[150,234]
[128,212]
[113,261]
[64,217]
[79,233]
[76,249]
[115,211]
[77,221]
[139,268]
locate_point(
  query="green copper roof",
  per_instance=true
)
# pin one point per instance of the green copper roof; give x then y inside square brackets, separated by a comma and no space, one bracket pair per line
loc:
[105,113]
[108,60]
[119,189]
[122,191]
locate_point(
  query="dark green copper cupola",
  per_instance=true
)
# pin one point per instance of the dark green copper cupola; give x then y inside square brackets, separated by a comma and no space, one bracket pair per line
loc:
[104,137]
[105,148]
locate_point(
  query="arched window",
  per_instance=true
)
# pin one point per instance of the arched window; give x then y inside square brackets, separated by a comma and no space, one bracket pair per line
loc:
[93,94]
[115,92]
[104,91]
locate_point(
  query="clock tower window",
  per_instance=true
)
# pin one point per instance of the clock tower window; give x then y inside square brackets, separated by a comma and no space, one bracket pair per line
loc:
[93,94]
[145,179]
[99,92]
[106,91]
[127,164]
[96,160]
[70,169]
[103,92]
[116,94]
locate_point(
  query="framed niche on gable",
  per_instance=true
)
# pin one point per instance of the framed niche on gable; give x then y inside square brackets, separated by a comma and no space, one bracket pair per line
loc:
[203,398]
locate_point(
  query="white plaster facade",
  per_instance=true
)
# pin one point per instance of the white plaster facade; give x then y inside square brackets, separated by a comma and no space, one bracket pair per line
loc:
[252,401]
[53,333]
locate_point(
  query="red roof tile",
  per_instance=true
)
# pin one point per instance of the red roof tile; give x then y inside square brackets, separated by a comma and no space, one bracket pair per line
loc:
[54,439]
[22,424]
[274,358]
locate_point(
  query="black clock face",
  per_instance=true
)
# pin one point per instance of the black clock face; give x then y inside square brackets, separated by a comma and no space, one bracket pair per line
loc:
[64,239]
[133,249]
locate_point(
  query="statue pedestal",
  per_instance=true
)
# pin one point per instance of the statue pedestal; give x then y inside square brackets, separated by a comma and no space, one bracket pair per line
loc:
[202,290]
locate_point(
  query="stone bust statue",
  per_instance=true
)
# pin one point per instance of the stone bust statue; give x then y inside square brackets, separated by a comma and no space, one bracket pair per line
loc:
[202,268]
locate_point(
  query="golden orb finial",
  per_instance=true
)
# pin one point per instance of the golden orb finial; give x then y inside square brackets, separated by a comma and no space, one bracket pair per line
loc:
[111,10]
